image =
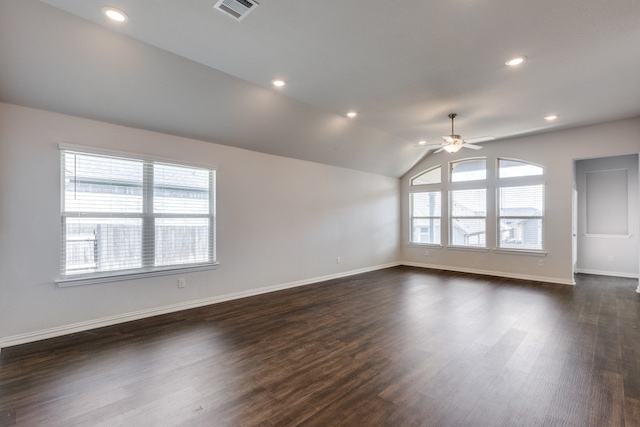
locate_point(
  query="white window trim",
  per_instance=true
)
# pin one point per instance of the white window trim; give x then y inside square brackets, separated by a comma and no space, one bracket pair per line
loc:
[122,275]
[107,152]
[468,248]
[431,245]
[531,252]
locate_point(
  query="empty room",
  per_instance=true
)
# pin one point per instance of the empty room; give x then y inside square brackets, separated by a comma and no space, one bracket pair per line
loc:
[262,213]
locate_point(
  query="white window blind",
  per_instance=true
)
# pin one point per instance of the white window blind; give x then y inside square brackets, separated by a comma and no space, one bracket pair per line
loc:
[425,218]
[128,215]
[468,217]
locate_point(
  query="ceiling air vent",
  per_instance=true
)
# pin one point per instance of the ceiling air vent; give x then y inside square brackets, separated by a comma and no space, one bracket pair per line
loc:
[237,9]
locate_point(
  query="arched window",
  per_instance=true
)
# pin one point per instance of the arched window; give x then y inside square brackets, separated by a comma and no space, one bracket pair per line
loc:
[508,168]
[430,176]
[468,170]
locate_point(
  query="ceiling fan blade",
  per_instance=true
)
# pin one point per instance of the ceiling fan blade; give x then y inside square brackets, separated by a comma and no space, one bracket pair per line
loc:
[480,139]
[437,151]
[427,145]
[473,147]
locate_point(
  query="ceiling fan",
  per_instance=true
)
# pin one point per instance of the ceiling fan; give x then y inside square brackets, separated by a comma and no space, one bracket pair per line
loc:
[453,143]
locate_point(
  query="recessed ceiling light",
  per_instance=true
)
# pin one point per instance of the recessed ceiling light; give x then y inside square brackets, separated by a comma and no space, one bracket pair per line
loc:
[278,83]
[551,118]
[352,114]
[516,60]
[114,14]
[423,142]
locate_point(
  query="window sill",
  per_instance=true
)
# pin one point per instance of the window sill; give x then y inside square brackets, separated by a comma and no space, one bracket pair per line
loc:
[468,248]
[530,252]
[426,245]
[115,277]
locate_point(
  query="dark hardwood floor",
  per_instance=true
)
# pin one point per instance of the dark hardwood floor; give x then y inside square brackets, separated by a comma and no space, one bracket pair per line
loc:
[396,347]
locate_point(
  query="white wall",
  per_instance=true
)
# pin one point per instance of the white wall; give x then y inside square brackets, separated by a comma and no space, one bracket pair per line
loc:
[556,151]
[280,222]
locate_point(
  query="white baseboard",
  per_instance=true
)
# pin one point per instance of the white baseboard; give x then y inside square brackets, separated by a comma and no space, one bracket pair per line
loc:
[545,279]
[607,273]
[137,315]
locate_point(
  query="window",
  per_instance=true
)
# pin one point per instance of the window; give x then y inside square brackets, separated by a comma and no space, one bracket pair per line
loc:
[432,176]
[126,215]
[513,168]
[468,217]
[520,217]
[520,206]
[425,218]
[469,170]
[509,193]
[468,206]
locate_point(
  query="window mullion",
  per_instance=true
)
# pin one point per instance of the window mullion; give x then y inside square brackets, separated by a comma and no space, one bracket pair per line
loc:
[213,176]
[148,222]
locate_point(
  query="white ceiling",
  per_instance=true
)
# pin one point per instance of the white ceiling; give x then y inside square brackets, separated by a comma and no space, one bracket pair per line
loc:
[182,68]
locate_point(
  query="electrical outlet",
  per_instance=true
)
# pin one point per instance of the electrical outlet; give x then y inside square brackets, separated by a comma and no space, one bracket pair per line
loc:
[540,263]
[611,259]
[338,260]
[182,283]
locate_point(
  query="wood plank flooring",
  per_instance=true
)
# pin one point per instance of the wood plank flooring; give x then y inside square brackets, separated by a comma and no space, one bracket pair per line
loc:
[396,347]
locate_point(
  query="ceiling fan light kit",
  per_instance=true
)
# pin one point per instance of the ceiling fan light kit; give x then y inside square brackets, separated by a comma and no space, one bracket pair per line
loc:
[452,148]
[454,142]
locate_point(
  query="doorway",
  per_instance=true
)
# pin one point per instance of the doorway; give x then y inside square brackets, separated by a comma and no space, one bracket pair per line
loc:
[605,216]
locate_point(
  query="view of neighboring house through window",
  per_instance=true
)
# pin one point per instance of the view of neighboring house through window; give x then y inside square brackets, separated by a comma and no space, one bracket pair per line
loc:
[134,215]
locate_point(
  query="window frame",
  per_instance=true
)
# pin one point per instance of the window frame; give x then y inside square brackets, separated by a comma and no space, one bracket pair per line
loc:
[148,217]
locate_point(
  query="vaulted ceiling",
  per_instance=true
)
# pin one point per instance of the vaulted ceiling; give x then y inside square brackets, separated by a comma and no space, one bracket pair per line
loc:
[183,68]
